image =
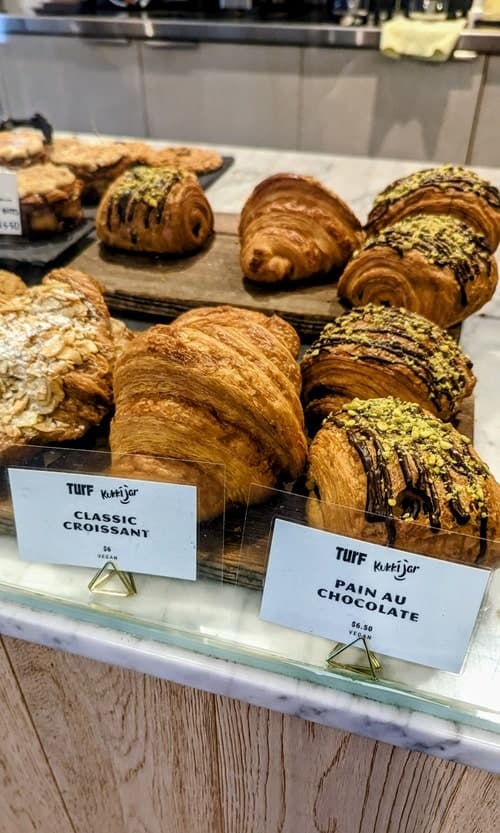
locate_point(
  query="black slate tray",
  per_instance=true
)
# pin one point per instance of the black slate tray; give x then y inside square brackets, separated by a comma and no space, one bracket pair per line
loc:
[19,250]
[206,180]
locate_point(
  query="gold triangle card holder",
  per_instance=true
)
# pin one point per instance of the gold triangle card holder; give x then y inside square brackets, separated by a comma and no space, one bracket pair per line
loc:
[122,584]
[374,664]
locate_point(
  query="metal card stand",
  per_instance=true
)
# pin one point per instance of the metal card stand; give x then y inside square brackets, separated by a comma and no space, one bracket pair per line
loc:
[107,573]
[374,664]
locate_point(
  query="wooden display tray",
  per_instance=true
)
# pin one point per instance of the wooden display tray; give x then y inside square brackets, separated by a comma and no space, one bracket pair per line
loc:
[164,287]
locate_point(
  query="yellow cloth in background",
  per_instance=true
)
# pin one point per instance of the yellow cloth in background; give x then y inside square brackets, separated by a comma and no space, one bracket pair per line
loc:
[432,40]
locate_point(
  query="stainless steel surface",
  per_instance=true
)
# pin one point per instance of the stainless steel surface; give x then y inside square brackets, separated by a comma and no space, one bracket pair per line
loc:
[147,27]
[172,44]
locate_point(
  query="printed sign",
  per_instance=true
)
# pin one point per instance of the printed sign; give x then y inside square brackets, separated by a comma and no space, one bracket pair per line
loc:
[86,520]
[10,213]
[407,606]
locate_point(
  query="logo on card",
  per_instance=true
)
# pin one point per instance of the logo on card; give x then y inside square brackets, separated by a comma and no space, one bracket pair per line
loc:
[122,493]
[400,569]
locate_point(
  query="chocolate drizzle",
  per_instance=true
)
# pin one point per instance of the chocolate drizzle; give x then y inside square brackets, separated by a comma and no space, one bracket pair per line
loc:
[443,240]
[414,465]
[391,337]
[448,177]
[142,186]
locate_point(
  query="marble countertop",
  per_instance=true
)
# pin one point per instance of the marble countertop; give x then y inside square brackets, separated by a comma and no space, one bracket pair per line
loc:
[357,180]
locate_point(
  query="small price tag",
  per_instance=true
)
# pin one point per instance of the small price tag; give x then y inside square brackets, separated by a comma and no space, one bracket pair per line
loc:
[85,520]
[10,212]
[407,606]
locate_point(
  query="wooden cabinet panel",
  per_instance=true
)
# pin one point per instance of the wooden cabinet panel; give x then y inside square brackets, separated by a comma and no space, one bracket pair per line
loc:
[233,94]
[134,754]
[281,773]
[29,799]
[130,753]
[79,84]
[359,102]
[486,143]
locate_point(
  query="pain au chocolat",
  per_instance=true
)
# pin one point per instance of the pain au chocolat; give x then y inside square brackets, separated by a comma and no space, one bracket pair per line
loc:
[432,264]
[389,472]
[158,210]
[218,386]
[377,351]
[292,227]
[451,190]
[56,356]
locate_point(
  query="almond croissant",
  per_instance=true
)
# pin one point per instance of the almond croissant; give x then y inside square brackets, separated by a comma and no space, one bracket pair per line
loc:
[219,386]
[292,227]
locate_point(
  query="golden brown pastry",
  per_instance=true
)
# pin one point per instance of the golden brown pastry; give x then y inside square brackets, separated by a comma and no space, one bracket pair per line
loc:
[451,190]
[56,357]
[19,148]
[160,210]
[377,351]
[292,227]
[49,198]
[207,390]
[432,264]
[197,160]
[408,476]
[10,284]
[95,164]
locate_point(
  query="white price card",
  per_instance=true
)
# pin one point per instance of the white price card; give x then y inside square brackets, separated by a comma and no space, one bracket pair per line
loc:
[10,213]
[412,607]
[85,520]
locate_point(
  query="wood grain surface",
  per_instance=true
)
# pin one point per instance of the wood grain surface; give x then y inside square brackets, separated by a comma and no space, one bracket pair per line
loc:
[165,287]
[30,801]
[129,752]
[133,754]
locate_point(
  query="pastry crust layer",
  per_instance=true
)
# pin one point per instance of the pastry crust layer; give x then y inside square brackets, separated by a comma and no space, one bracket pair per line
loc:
[431,264]
[161,210]
[451,190]
[216,386]
[292,227]
[377,351]
[387,471]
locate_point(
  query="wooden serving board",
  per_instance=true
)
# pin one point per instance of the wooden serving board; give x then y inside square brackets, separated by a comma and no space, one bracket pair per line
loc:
[164,287]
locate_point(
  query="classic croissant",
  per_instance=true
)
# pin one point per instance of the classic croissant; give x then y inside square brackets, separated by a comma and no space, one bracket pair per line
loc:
[162,210]
[219,386]
[292,227]
[451,190]
[387,471]
[377,351]
[432,264]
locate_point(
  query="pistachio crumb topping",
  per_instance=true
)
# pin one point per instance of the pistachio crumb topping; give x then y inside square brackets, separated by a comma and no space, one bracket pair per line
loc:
[389,431]
[447,176]
[146,184]
[396,336]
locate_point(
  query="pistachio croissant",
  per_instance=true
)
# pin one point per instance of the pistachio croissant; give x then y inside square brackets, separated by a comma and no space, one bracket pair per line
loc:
[161,210]
[387,471]
[218,386]
[430,263]
[292,227]
[450,189]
